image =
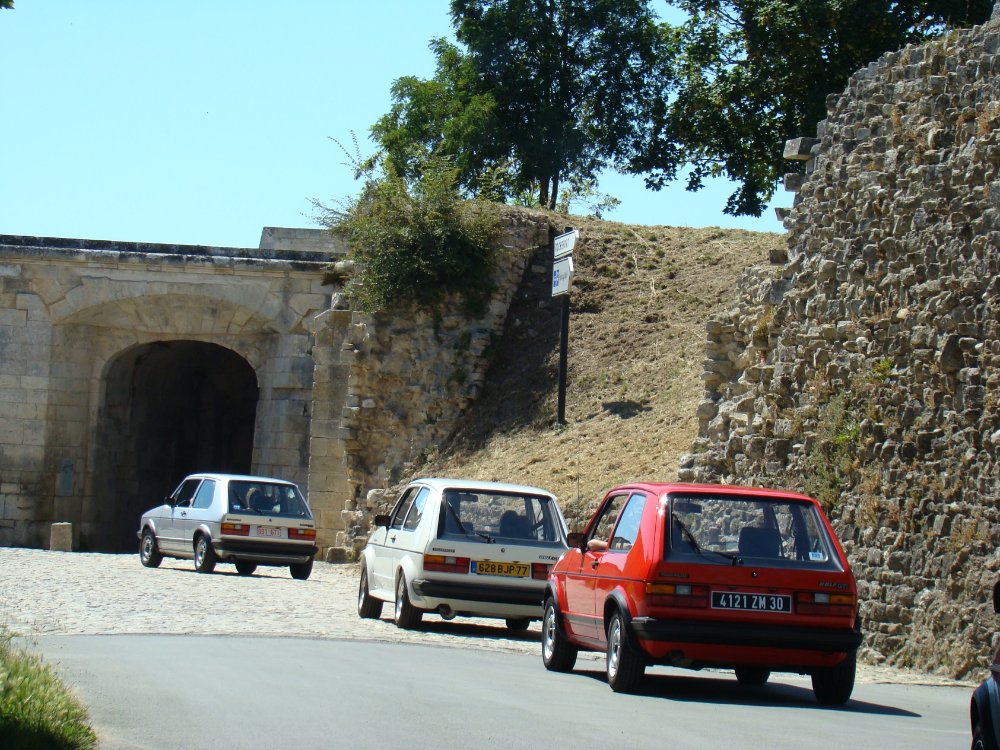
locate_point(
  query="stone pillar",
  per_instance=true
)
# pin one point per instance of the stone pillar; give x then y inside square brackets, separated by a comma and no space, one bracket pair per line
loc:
[61,537]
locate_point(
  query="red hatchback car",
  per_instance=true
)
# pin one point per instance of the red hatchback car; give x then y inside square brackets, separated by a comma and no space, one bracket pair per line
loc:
[701,576]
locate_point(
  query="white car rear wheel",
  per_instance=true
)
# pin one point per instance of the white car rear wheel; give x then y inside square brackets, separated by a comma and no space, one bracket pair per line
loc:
[204,555]
[406,616]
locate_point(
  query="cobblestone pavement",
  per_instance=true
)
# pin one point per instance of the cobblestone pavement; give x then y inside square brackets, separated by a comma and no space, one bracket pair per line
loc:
[65,593]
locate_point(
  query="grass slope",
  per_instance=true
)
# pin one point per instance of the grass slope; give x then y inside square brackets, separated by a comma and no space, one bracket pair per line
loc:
[640,299]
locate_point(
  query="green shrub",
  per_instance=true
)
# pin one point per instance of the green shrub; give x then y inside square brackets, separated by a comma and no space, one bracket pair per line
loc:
[413,243]
[36,708]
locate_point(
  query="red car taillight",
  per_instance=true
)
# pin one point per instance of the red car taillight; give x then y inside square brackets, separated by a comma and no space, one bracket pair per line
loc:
[822,603]
[446,563]
[236,529]
[308,534]
[676,595]
[540,571]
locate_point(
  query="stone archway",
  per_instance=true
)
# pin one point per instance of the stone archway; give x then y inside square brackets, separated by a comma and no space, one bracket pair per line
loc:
[169,408]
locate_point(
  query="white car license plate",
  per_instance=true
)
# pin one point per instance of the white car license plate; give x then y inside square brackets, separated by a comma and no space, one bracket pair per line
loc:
[272,532]
[511,570]
[751,602]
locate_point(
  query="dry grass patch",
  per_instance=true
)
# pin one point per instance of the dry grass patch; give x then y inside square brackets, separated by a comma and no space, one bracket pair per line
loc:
[640,300]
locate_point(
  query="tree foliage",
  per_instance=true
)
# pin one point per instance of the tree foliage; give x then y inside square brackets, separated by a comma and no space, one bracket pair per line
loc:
[752,74]
[544,91]
[539,94]
[450,114]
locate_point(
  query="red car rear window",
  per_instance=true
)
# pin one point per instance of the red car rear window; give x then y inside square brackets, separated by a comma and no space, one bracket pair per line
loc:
[731,529]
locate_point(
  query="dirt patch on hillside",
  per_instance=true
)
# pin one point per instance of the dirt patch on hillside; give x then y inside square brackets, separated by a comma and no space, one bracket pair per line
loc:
[640,299]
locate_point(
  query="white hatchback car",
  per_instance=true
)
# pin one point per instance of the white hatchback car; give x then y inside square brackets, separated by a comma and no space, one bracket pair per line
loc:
[462,548]
[245,520]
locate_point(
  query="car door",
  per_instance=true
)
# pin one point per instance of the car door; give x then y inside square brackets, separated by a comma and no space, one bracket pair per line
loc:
[199,512]
[610,572]
[384,557]
[171,534]
[405,538]
[582,617]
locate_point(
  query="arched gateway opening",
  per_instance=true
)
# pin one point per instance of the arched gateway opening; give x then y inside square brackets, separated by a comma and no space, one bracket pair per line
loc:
[170,408]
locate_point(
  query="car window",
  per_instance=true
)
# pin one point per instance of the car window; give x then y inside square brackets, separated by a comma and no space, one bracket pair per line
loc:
[183,494]
[402,508]
[262,497]
[775,531]
[203,498]
[601,528]
[416,511]
[487,516]
[627,529]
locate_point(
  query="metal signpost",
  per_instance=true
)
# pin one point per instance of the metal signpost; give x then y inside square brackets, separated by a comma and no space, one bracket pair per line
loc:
[562,274]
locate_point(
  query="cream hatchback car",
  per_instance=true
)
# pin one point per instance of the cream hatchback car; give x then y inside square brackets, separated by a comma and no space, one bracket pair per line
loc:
[460,548]
[231,518]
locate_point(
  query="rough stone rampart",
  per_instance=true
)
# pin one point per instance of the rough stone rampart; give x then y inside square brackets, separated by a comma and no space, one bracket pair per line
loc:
[864,368]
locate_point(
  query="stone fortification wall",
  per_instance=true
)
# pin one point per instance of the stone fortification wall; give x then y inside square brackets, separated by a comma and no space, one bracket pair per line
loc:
[864,368]
[390,387]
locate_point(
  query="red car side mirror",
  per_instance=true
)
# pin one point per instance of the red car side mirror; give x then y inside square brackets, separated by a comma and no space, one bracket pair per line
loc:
[576,539]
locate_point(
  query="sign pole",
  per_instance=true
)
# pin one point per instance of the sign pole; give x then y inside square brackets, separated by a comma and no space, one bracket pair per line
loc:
[562,273]
[563,359]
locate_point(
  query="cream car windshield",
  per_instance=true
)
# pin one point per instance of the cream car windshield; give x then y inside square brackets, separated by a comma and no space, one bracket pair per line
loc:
[494,517]
[267,498]
[758,530]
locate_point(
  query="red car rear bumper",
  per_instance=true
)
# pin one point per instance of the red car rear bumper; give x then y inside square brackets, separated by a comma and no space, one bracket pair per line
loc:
[829,640]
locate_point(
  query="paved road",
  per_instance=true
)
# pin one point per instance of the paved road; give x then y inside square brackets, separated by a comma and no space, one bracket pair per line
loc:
[205,693]
[45,594]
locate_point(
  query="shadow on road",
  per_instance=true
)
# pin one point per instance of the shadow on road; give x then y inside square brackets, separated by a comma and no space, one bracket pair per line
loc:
[724,691]
[478,631]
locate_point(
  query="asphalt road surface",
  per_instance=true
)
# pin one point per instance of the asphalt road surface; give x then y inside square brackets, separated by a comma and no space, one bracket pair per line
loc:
[161,692]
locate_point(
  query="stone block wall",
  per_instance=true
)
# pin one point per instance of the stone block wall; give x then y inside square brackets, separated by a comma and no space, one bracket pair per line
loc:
[864,368]
[71,310]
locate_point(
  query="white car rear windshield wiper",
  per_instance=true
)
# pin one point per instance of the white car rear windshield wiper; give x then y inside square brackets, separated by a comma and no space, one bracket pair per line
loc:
[461,526]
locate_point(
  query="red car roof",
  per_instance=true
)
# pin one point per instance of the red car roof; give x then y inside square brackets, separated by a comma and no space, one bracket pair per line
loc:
[660,488]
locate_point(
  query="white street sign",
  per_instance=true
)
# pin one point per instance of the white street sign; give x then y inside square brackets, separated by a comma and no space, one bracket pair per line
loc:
[564,243]
[562,271]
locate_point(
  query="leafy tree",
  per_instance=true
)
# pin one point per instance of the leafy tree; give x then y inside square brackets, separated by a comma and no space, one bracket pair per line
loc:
[546,90]
[6,4]
[570,78]
[752,74]
[447,114]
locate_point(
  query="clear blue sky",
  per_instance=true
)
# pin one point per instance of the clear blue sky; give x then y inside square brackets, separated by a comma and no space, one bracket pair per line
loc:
[202,122]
